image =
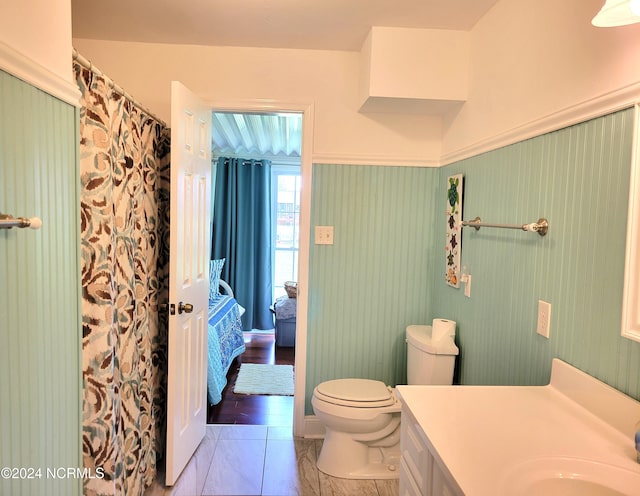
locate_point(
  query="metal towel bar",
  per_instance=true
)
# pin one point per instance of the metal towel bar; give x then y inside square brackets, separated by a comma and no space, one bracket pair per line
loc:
[540,227]
[8,221]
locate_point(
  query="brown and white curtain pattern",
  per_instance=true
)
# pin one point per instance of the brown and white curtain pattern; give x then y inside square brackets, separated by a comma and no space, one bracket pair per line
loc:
[124,171]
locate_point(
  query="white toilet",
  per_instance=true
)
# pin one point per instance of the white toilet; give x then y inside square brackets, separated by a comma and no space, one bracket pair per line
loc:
[362,416]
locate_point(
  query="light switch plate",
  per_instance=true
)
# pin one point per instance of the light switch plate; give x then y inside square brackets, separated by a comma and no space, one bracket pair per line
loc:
[544,318]
[324,235]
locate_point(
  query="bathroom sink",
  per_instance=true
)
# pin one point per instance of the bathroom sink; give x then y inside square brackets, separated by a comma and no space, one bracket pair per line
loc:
[555,476]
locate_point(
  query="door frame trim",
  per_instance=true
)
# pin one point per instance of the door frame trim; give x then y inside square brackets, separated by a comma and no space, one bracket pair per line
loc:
[307,111]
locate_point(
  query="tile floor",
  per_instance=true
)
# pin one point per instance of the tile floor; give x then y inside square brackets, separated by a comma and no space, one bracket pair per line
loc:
[251,460]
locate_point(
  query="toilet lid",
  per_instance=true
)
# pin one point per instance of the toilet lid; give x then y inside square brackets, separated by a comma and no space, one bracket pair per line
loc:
[361,393]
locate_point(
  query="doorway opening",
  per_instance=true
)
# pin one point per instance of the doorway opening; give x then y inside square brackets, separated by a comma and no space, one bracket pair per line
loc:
[276,137]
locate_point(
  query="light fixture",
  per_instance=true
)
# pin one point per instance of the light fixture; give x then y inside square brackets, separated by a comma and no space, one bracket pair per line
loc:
[617,13]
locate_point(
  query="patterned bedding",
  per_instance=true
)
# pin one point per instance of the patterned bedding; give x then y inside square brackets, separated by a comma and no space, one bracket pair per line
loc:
[225,343]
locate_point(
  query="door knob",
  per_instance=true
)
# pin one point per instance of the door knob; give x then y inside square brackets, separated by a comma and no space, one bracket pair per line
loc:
[185,307]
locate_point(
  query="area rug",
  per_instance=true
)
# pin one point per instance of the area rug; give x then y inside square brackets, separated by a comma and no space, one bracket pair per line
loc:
[256,378]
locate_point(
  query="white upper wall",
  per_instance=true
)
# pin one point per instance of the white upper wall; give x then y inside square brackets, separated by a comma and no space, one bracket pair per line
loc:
[531,60]
[327,79]
[528,61]
[35,44]
[41,29]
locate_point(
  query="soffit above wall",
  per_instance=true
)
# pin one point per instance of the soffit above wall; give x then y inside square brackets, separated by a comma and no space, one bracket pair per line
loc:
[400,105]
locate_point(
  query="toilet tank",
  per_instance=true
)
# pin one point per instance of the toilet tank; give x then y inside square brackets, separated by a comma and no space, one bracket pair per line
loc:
[429,361]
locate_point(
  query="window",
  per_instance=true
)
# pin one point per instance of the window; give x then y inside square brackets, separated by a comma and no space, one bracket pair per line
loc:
[286,228]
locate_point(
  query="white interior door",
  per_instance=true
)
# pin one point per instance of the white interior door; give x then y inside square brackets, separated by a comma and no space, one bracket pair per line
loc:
[190,242]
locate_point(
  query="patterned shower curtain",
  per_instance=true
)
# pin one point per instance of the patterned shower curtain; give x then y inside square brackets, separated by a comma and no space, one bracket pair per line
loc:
[124,169]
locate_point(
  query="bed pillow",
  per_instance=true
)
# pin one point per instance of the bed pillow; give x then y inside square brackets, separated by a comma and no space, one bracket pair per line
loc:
[215,270]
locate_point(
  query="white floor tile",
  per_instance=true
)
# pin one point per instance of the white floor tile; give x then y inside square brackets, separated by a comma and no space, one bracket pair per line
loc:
[388,487]
[251,460]
[236,468]
[243,432]
[203,456]
[332,486]
[290,468]
[280,432]
[186,483]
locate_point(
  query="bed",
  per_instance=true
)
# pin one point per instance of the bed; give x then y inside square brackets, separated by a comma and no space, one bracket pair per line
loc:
[226,341]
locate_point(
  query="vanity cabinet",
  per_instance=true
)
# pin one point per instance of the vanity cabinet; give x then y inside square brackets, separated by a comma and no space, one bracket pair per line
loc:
[420,473]
[470,440]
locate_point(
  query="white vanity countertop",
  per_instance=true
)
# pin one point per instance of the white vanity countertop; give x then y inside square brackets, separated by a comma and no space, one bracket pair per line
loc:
[479,434]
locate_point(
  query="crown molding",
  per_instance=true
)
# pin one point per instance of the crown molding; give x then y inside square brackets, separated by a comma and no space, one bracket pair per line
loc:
[30,71]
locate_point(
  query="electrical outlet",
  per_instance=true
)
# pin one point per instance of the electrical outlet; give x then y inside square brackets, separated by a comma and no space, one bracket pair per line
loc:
[544,318]
[324,235]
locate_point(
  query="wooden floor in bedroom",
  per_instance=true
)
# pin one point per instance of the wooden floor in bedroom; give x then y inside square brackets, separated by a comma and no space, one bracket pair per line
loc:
[255,409]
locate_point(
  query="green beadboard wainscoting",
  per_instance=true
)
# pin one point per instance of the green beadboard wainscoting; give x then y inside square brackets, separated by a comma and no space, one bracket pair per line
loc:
[40,384]
[578,178]
[376,277]
[386,268]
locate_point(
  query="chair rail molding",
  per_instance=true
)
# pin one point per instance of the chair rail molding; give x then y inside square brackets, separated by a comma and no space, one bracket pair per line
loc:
[28,70]
[606,103]
[373,159]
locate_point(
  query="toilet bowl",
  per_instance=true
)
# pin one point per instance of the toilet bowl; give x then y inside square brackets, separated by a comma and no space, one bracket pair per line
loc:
[361,417]
[362,428]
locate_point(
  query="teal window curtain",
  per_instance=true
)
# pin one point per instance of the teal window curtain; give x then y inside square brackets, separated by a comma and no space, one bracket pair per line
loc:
[242,235]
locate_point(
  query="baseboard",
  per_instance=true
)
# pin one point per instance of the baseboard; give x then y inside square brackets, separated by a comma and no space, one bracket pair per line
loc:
[313,428]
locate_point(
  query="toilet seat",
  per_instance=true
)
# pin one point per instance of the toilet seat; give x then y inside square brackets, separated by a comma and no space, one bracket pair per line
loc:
[358,393]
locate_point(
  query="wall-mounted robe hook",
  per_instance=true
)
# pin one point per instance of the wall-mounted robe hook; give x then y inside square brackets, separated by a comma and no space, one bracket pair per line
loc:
[8,221]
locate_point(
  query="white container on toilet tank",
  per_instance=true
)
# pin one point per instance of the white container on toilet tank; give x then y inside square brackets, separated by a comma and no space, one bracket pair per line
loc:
[442,352]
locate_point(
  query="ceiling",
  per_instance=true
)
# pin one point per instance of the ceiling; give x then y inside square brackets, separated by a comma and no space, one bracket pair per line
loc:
[301,24]
[306,24]
[277,137]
